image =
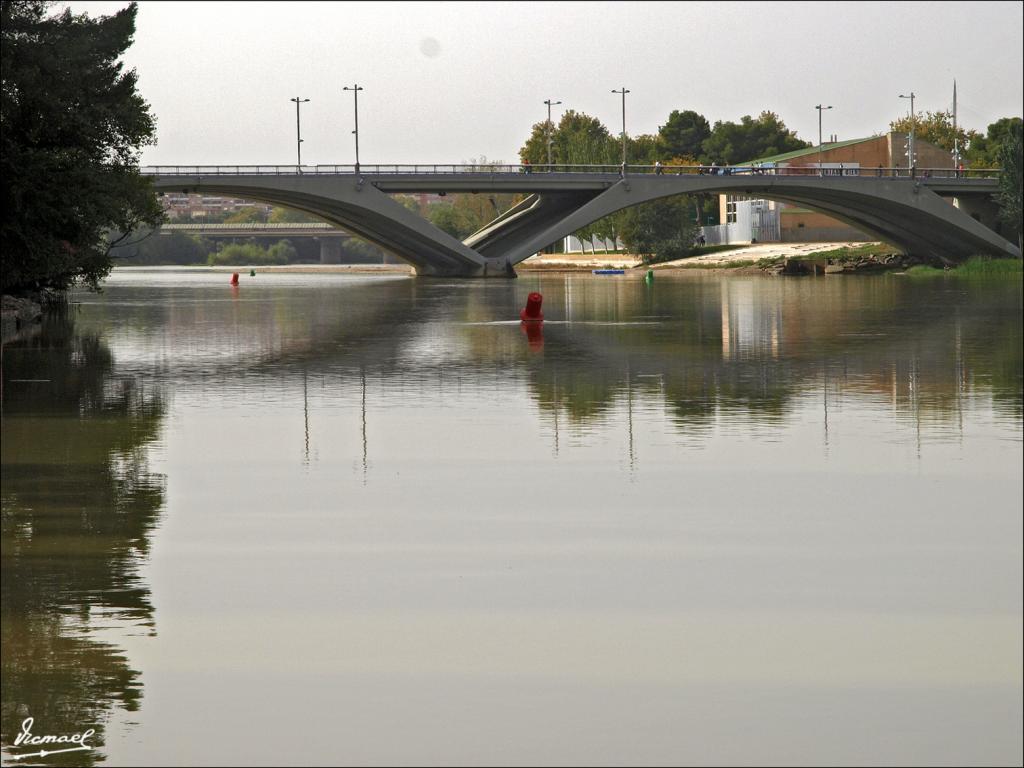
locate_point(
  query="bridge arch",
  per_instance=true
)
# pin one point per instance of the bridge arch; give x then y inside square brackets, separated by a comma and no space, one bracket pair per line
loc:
[359,208]
[899,211]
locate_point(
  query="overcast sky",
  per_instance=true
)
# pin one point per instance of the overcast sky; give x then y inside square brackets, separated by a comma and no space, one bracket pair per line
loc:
[446,82]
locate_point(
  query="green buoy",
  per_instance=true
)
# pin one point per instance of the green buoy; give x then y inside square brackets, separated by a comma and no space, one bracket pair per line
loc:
[649,277]
[252,273]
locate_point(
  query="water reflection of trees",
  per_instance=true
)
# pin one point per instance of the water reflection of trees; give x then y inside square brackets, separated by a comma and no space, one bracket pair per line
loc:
[79,506]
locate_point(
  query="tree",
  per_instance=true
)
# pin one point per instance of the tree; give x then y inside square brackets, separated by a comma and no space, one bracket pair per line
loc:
[71,127]
[151,247]
[750,139]
[661,230]
[643,150]
[984,150]
[683,134]
[936,128]
[535,150]
[246,254]
[1010,181]
[454,221]
[292,216]
[282,252]
[579,139]
[248,215]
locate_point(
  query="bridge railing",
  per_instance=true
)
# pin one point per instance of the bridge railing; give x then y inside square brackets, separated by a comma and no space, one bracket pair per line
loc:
[390,169]
[864,172]
[507,170]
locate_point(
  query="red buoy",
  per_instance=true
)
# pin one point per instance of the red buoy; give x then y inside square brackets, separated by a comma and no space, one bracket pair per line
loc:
[234,279]
[532,309]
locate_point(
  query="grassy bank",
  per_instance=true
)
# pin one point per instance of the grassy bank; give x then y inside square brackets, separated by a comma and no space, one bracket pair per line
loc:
[845,255]
[976,266]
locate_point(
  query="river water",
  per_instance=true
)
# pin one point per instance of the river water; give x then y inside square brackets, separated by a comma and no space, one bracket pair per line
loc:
[333,519]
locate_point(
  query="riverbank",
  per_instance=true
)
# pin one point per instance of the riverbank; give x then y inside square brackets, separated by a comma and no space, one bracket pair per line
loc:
[17,314]
[751,258]
[745,259]
[766,254]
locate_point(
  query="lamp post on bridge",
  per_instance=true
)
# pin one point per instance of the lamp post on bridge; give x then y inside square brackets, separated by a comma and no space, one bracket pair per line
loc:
[911,160]
[624,91]
[298,132]
[355,93]
[820,108]
[550,103]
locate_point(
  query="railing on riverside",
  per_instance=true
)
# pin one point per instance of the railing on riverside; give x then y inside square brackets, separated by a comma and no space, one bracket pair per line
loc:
[606,170]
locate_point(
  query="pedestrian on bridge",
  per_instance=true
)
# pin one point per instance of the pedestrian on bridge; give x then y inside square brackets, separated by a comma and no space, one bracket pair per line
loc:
[658,170]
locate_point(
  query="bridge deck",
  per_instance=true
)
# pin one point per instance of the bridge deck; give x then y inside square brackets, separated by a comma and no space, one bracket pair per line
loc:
[397,179]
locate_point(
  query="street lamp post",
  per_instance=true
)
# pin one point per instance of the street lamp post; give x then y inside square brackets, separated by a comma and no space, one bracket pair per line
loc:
[550,103]
[912,160]
[298,131]
[355,93]
[820,109]
[623,92]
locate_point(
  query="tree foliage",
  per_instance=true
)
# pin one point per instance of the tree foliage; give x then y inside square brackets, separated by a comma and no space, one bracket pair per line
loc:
[683,134]
[643,150]
[248,215]
[251,254]
[279,215]
[71,127]
[937,128]
[578,139]
[1010,182]
[661,230]
[152,247]
[750,139]
[984,150]
[455,220]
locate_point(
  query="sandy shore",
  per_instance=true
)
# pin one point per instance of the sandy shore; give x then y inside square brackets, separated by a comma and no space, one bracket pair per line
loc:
[753,253]
[579,261]
[749,253]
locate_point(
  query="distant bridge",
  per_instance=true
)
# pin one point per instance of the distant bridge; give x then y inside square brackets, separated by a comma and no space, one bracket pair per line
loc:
[888,203]
[329,235]
[257,229]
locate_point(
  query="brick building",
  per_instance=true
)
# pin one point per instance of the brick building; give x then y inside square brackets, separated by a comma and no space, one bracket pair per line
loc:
[855,157]
[182,206]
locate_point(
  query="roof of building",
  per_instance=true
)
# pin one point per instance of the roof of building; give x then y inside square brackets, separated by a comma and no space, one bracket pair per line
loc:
[808,151]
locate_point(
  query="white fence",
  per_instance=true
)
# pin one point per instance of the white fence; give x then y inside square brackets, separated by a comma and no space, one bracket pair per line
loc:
[573,244]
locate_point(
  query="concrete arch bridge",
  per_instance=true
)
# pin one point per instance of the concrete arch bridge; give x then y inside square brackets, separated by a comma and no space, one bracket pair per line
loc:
[910,213]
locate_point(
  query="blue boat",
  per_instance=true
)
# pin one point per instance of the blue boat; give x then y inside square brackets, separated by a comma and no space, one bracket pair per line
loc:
[608,271]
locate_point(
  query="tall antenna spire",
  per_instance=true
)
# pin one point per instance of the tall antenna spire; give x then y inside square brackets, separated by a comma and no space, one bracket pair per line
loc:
[956,135]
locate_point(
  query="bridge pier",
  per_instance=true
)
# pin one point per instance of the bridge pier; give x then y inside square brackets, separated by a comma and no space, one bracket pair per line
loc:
[981,209]
[330,250]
